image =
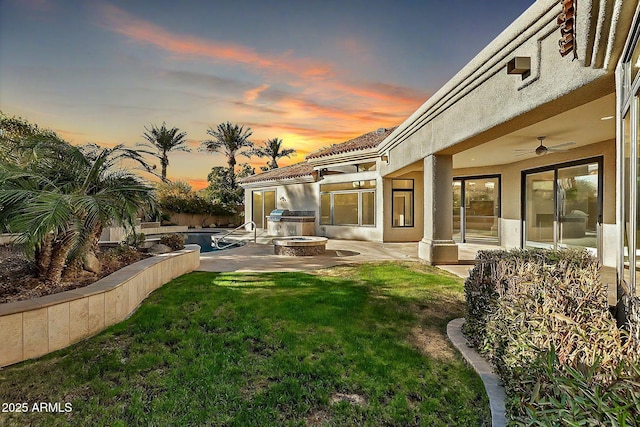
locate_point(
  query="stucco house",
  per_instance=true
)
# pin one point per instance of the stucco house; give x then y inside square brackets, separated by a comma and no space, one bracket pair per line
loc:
[534,143]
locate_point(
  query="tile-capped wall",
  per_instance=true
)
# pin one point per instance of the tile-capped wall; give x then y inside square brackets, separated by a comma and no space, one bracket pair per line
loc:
[39,326]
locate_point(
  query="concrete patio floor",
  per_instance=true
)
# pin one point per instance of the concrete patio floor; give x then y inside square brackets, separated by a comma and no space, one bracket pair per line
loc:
[254,257]
[259,257]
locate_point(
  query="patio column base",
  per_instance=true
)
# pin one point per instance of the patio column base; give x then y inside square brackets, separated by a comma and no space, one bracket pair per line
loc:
[435,252]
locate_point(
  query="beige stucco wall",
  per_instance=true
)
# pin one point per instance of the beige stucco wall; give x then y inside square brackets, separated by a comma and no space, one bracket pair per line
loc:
[511,176]
[510,228]
[33,328]
[404,234]
[306,197]
[483,102]
[297,197]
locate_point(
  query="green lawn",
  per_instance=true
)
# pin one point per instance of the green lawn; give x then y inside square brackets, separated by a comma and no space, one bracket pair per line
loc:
[357,345]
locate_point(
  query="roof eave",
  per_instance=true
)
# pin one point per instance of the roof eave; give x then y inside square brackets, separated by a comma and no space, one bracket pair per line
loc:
[370,154]
[477,66]
[280,181]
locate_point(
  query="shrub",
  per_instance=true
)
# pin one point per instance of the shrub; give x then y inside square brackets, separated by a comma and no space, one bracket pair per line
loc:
[633,322]
[495,271]
[523,304]
[570,396]
[174,241]
[135,240]
[115,258]
[194,204]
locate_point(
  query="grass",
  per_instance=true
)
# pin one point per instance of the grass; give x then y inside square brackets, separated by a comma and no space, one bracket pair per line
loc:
[356,345]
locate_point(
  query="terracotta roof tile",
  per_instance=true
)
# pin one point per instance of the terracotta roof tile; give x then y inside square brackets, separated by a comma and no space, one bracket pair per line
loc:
[287,172]
[362,142]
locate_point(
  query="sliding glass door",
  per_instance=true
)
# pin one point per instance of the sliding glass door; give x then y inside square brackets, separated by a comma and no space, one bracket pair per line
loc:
[263,202]
[562,205]
[540,209]
[476,209]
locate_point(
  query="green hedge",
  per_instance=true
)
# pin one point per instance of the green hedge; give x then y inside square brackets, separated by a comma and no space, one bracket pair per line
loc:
[496,270]
[195,205]
[542,318]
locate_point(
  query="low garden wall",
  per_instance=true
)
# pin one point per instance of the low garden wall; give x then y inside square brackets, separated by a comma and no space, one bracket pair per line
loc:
[205,221]
[33,328]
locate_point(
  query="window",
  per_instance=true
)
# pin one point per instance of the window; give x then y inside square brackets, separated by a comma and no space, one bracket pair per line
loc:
[368,208]
[628,146]
[348,203]
[345,208]
[562,205]
[263,202]
[476,208]
[402,202]
[325,209]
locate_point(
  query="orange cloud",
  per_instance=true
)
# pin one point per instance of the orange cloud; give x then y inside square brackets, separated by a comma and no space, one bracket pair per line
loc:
[197,184]
[121,22]
[308,102]
[253,94]
[320,78]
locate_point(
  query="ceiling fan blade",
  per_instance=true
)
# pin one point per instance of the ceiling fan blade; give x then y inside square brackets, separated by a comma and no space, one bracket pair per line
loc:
[524,149]
[565,144]
[523,153]
[556,150]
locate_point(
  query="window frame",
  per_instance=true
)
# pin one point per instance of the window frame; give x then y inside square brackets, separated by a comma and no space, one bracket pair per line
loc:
[359,192]
[413,202]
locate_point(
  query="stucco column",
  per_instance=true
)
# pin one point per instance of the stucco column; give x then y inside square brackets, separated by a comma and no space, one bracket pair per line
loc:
[437,245]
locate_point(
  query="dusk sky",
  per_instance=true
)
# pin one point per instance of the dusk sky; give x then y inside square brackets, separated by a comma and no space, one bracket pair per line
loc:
[310,72]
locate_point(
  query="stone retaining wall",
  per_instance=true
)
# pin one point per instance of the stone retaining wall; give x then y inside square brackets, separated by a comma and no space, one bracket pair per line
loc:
[33,328]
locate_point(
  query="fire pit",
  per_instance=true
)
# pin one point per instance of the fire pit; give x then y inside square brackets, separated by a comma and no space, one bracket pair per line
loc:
[299,245]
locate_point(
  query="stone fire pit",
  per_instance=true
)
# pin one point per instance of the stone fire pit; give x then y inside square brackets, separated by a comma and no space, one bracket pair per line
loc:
[299,245]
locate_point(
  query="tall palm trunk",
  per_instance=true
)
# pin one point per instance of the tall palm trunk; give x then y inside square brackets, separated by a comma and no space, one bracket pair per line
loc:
[76,265]
[164,162]
[59,253]
[43,255]
[231,161]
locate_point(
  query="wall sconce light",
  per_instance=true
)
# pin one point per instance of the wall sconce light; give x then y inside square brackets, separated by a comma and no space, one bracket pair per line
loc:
[385,158]
[283,199]
[520,65]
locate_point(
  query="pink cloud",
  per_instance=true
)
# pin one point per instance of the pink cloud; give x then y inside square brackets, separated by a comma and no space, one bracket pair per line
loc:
[141,31]
[320,76]
[252,94]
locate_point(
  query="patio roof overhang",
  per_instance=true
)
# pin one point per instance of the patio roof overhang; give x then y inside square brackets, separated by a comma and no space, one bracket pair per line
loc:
[587,124]
[561,99]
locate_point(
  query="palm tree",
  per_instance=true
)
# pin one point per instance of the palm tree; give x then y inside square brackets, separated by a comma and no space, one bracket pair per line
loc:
[229,140]
[17,134]
[273,151]
[59,205]
[164,140]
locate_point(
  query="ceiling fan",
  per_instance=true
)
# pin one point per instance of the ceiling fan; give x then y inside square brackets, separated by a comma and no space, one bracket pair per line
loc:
[542,149]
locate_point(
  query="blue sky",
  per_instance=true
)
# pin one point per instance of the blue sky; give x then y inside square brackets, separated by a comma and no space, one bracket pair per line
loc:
[310,72]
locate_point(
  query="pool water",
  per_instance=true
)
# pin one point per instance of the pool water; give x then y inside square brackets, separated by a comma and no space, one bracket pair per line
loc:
[204,240]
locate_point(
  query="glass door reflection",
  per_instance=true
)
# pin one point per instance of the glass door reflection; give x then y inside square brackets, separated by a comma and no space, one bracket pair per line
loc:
[578,210]
[476,209]
[457,209]
[540,209]
[563,206]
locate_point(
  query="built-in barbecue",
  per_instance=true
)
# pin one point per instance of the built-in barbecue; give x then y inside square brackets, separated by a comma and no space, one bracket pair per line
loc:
[283,222]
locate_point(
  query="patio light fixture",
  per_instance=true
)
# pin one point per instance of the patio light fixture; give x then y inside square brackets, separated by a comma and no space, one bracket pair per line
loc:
[520,65]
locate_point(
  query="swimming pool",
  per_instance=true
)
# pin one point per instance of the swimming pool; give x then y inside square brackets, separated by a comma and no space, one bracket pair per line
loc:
[204,240]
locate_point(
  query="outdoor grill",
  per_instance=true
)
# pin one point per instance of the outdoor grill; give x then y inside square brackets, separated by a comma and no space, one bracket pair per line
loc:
[276,215]
[283,222]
